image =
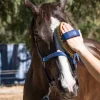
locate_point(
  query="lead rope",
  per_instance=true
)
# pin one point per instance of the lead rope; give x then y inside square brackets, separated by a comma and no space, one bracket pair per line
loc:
[46,97]
[51,86]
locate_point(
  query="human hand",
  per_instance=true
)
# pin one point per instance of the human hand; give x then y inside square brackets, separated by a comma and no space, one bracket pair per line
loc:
[75,43]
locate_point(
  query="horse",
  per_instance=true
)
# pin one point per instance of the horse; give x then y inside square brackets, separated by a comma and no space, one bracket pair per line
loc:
[54,78]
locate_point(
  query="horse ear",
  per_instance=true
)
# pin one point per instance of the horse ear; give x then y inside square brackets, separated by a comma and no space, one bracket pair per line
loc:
[62,3]
[31,6]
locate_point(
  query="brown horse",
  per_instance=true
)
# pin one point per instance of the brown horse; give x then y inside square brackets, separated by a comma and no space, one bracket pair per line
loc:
[55,75]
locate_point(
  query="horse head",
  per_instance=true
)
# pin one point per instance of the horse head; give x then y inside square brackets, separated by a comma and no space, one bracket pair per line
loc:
[46,18]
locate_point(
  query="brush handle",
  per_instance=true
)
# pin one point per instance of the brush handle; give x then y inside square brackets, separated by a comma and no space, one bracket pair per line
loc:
[70,34]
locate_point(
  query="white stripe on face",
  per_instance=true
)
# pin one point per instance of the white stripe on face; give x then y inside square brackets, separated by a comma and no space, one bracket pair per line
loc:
[67,80]
[54,23]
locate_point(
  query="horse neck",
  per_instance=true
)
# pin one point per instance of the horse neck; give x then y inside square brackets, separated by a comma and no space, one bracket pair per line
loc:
[93,46]
[86,81]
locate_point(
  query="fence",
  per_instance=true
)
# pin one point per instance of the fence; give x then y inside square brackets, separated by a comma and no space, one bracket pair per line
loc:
[14,63]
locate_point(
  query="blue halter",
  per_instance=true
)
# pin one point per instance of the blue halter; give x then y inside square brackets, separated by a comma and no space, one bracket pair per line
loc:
[59,53]
[56,54]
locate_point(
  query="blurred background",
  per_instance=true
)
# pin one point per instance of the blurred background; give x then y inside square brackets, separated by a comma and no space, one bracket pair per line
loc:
[15,20]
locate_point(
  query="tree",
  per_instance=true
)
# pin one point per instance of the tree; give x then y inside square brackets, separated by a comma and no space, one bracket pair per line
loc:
[86,13]
[15,19]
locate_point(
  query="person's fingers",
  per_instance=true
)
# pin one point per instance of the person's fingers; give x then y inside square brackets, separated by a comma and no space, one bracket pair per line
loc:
[61,28]
[70,27]
[62,31]
[65,28]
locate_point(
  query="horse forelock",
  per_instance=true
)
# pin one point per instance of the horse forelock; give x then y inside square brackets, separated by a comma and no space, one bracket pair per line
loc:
[47,10]
[51,14]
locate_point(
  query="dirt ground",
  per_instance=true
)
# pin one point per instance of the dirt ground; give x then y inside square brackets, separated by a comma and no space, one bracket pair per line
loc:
[11,93]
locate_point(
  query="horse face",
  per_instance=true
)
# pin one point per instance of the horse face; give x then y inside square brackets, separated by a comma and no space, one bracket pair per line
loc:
[46,18]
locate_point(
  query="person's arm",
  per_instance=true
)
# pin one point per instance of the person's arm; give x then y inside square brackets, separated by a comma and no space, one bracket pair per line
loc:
[90,61]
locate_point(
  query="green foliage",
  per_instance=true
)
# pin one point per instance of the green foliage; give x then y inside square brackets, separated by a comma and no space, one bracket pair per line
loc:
[86,13]
[15,19]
